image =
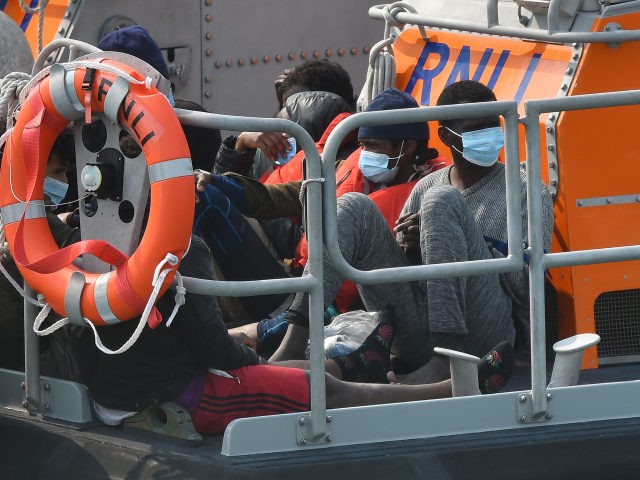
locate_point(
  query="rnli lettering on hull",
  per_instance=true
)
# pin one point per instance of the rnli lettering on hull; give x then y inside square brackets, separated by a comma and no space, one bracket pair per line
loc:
[512,68]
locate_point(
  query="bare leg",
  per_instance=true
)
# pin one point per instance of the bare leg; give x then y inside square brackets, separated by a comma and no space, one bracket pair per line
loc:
[250,330]
[293,345]
[330,366]
[347,394]
[436,370]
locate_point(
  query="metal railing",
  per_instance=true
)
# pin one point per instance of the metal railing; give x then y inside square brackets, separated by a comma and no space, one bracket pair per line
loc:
[321,215]
[493,27]
[540,261]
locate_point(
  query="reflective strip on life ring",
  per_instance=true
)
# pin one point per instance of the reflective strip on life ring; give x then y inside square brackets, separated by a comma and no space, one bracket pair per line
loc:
[145,113]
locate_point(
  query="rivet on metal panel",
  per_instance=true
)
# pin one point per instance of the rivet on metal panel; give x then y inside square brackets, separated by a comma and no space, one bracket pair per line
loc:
[366,50]
[61,31]
[218,64]
[575,57]
[569,70]
[553,164]
[301,421]
[564,86]
[522,398]
[266,59]
[303,441]
[548,416]
[329,419]
[279,58]
[207,78]
[549,129]
[341,51]
[551,148]
[553,183]
[354,51]
[316,54]
[208,52]
[209,36]
[292,55]
[207,94]
[579,203]
[304,55]
[549,397]
[552,117]
[67,15]
[329,53]
[609,200]
[522,419]
[329,437]
[208,17]
[253,60]
[241,61]
[46,387]
[229,62]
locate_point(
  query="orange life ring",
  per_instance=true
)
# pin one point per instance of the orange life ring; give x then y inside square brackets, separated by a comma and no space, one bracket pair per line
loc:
[59,98]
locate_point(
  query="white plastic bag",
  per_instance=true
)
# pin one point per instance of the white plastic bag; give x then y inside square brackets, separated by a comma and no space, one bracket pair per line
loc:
[347,331]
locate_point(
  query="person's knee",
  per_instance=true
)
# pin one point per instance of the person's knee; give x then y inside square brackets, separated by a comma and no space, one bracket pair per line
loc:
[355,206]
[441,198]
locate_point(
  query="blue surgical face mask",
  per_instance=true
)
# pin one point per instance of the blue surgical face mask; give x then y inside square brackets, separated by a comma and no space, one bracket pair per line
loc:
[481,147]
[374,166]
[290,153]
[55,189]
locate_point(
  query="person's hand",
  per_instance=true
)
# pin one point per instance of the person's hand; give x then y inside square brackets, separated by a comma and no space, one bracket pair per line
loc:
[243,339]
[70,218]
[202,179]
[271,143]
[278,84]
[409,225]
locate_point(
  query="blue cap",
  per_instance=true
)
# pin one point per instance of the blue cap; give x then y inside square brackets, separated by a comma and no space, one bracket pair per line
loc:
[136,41]
[394,99]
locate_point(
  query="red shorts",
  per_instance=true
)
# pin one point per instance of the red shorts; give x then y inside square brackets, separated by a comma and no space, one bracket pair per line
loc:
[253,391]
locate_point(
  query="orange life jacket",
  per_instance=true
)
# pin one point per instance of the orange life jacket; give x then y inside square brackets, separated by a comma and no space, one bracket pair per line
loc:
[292,171]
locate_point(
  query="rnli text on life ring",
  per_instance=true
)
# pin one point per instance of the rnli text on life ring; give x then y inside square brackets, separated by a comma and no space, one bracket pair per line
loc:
[59,98]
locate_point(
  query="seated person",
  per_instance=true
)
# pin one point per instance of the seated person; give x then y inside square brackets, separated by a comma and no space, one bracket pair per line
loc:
[253,153]
[217,378]
[54,357]
[455,214]
[220,223]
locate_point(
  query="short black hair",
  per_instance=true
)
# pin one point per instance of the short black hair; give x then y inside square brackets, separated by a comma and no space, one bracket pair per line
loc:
[321,75]
[65,146]
[465,91]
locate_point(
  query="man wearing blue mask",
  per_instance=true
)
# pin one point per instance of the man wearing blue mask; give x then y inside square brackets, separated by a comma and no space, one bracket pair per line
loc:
[468,312]
[454,214]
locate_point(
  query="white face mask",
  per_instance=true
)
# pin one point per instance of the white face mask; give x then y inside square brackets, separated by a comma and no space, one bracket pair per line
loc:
[374,166]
